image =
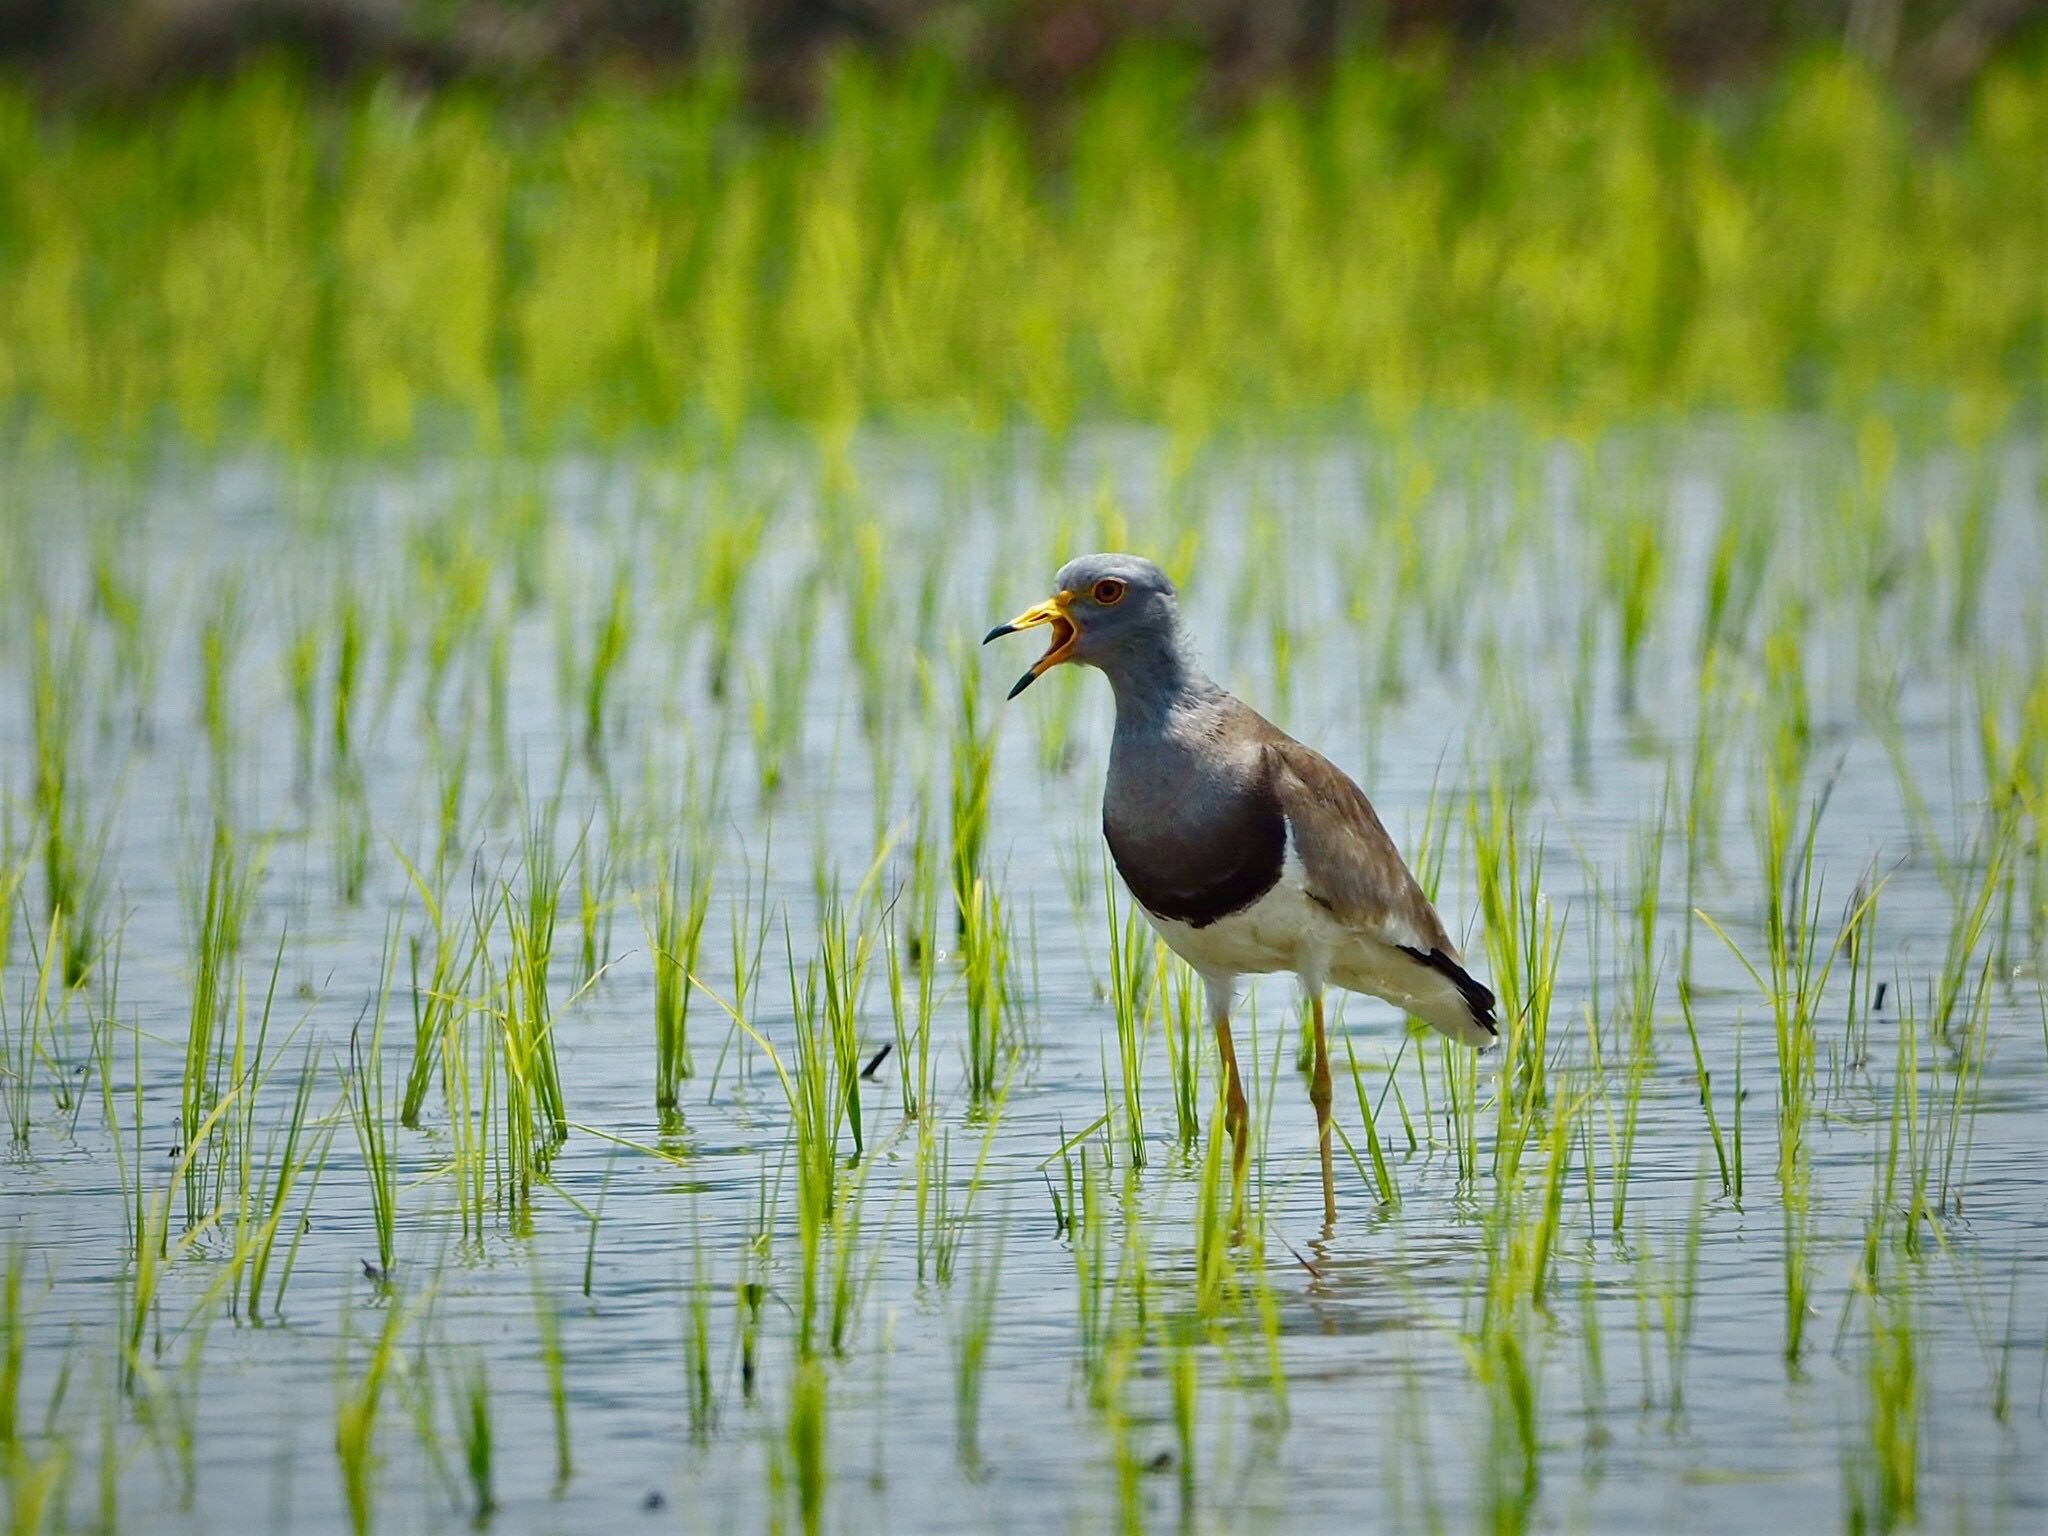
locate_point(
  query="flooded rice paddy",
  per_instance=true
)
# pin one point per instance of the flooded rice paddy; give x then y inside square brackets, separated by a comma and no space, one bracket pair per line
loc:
[383,842]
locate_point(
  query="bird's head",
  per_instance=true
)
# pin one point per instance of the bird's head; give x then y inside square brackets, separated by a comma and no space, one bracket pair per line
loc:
[1103,607]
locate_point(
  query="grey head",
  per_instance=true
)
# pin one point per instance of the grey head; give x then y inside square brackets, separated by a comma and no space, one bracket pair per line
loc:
[1120,614]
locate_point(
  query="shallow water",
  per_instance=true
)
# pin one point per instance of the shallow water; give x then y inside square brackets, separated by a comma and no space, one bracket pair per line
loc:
[1480,553]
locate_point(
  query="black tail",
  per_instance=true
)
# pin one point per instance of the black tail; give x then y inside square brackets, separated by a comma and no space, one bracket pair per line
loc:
[1477,997]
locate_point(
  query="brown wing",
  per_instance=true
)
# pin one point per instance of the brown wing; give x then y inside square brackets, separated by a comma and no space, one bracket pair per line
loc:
[1352,866]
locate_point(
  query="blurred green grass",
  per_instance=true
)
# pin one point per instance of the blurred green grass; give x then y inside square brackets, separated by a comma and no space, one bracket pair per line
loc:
[1573,240]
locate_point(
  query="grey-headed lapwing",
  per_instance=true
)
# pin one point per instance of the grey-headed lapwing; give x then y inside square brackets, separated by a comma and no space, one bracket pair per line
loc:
[1248,851]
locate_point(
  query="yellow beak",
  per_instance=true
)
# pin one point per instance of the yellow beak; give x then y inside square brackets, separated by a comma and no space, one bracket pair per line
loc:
[1055,611]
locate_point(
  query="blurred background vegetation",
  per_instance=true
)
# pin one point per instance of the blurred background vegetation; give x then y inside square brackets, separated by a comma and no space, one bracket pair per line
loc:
[1035,46]
[368,223]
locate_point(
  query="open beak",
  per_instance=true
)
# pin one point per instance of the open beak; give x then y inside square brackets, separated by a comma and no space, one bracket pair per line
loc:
[1065,632]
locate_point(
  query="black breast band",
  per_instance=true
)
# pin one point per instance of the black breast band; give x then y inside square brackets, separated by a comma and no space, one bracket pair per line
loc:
[1205,870]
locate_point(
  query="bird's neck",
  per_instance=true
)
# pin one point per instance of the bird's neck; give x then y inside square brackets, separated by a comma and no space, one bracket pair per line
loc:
[1150,686]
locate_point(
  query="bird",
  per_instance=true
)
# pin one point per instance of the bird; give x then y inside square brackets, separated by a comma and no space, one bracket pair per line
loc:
[1248,852]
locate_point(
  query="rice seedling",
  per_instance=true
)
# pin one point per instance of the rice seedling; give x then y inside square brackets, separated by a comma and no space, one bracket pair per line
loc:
[1727,1148]
[820,1095]
[437,1006]
[1185,1374]
[776,704]
[1083,1221]
[1639,1025]
[807,1439]
[548,1325]
[868,616]
[748,928]
[1703,784]
[1632,569]
[1525,941]
[697,1346]
[941,1225]
[681,904]
[1382,1177]
[480,1446]
[971,758]
[420,1388]
[13,1343]
[1116,1418]
[849,1280]
[1736,568]
[358,1401]
[938,1228]
[748,1296]
[1506,1348]
[597,877]
[260,1170]
[991,1002]
[220,913]
[71,853]
[608,650]
[294,1151]
[351,831]
[21,1031]
[725,559]
[973,1328]
[1675,1285]
[535,1116]
[1798,974]
[122,600]
[843,958]
[1174,985]
[302,682]
[454,578]
[1885,1495]
[1229,1234]
[368,1115]
[919,902]
[150,1233]
[347,678]
[470,1062]
[1130,965]
[497,691]
[36,1484]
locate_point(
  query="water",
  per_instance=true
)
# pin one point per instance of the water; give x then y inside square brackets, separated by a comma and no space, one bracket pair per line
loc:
[1482,555]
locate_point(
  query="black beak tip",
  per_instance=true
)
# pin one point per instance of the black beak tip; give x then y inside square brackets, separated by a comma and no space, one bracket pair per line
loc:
[998,632]
[1021,684]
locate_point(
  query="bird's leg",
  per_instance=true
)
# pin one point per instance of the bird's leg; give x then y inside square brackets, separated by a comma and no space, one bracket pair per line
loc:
[1319,1095]
[1236,1114]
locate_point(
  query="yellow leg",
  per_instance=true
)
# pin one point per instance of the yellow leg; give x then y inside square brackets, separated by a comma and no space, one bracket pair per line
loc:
[1236,1113]
[1237,1117]
[1319,1095]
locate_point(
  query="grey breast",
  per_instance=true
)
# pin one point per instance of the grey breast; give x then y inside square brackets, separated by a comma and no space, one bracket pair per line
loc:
[1193,822]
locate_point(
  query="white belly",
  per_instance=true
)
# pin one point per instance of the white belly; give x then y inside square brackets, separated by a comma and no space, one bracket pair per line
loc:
[1282,931]
[1285,930]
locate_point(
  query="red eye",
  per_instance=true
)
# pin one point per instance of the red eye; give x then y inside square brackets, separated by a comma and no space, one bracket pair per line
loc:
[1108,591]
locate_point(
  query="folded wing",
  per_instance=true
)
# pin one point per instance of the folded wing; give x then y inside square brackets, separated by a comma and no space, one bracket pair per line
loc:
[1354,871]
